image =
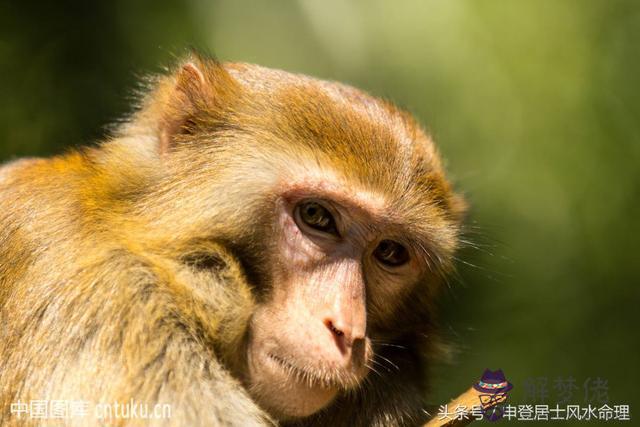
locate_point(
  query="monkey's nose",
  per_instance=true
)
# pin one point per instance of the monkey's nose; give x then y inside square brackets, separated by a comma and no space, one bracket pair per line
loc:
[345,337]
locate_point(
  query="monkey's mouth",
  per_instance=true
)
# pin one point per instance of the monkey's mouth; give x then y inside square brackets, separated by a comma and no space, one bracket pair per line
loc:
[316,377]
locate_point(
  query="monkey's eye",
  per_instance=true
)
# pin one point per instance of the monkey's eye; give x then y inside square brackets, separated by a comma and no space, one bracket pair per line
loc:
[317,217]
[391,253]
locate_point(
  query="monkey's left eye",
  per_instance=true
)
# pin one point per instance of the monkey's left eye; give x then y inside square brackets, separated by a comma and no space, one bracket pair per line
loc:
[317,217]
[391,253]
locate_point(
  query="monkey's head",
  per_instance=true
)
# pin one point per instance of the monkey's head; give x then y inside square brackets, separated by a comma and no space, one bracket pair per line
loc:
[335,203]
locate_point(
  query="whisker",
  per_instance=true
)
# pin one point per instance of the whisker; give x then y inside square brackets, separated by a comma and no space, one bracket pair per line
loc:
[373,369]
[390,362]
[383,344]
[382,365]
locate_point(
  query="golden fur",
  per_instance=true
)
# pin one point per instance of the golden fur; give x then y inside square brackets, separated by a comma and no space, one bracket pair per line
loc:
[131,269]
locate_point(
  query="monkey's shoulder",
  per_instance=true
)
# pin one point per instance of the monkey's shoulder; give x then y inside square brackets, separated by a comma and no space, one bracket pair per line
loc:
[12,170]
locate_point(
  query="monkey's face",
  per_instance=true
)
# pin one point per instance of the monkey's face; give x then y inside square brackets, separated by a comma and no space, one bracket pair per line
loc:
[339,208]
[334,253]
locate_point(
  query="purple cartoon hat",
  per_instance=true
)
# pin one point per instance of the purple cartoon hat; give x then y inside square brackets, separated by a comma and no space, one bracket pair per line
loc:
[493,382]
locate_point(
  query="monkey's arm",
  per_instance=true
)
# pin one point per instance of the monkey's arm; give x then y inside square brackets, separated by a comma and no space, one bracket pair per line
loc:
[124,328]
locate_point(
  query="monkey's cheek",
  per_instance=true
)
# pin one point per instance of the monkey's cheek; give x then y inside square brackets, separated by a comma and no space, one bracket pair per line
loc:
[285,394]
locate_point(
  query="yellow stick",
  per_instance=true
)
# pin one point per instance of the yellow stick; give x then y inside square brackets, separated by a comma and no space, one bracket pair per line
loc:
[468,399]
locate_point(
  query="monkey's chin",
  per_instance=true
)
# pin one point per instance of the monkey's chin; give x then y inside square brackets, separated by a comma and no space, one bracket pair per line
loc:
[286,392]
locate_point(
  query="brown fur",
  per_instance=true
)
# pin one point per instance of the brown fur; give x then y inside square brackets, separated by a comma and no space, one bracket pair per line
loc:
[131,269]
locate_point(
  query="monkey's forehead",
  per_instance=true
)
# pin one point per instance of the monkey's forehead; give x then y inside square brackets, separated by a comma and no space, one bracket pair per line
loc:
[271,80]
[283,87]
[337,119]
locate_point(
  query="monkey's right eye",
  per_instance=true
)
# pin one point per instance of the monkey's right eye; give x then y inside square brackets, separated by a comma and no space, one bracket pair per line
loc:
[316,216]
[391,253]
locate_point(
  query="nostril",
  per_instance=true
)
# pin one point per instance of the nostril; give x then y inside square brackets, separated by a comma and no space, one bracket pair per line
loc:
[338,336]
[333,328]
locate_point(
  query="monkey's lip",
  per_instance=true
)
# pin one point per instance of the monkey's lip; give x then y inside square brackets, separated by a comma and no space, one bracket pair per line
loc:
[312,378]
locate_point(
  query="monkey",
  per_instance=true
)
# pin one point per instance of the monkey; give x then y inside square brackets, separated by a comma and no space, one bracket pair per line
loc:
[251,246]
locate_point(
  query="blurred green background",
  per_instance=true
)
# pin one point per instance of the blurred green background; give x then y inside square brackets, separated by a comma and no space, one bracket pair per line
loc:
[535,105]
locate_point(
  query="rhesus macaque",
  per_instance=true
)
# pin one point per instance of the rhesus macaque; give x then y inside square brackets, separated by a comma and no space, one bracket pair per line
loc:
[252,247]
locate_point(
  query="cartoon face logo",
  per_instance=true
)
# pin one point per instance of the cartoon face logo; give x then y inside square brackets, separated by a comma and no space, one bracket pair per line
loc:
[493,388]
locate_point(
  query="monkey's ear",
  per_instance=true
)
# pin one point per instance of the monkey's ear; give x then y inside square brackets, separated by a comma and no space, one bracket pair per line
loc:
[196,95]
